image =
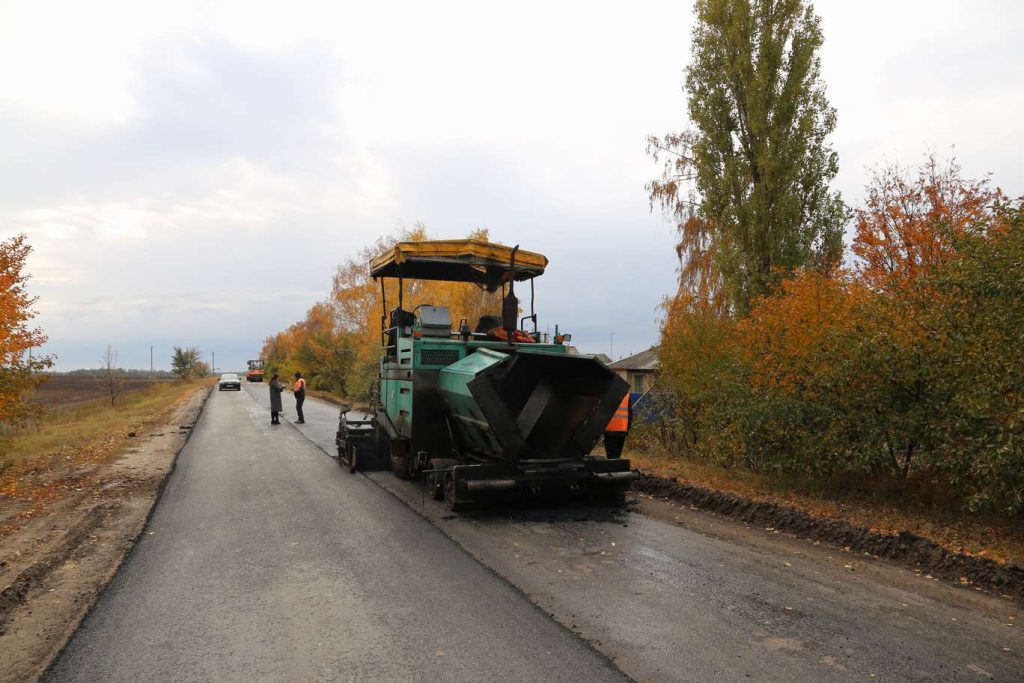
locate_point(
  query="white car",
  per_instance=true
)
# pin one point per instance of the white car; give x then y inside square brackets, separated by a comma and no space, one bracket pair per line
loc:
[229,381]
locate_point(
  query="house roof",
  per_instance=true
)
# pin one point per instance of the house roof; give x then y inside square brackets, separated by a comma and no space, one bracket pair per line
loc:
[603,358]
[645,360]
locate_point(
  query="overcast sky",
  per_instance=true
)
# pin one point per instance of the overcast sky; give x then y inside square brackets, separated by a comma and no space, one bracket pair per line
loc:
[192,172]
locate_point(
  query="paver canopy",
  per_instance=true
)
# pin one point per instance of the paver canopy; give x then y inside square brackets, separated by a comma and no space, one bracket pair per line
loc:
[467,260]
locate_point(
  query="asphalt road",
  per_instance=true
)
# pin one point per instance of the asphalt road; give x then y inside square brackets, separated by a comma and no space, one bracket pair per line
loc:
[691,596]
[265,561]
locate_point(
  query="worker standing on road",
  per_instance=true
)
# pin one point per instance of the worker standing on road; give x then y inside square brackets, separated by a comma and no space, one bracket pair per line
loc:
[300,396]
[618,426]
[276,388]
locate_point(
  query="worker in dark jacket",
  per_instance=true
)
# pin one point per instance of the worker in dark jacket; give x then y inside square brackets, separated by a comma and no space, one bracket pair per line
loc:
[276,388]
[300,396]
[618,426]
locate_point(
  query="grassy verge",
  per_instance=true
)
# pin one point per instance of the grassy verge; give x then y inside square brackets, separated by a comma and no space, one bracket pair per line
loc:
[55,456]
[997,538]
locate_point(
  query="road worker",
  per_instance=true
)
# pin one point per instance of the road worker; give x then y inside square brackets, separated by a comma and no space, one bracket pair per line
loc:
[618,426]
[300,396]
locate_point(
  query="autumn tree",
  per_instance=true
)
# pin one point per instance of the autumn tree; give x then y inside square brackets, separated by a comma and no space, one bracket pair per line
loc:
[185,362]
[913,217]
[337,346]
[359,308]
[976,317]
[315,346]
[900,373]
[836,384]
[702,378]
[748,184]
[19,367]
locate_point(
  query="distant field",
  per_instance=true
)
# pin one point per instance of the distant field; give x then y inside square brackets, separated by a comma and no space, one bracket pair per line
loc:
[63,391]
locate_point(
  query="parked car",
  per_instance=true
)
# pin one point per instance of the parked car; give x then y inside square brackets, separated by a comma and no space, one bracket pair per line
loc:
[229,381]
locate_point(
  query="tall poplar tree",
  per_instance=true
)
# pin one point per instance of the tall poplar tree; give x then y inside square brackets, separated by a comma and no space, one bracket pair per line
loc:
[748,184]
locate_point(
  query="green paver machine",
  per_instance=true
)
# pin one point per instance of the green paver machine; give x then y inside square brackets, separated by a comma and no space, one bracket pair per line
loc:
[485,412]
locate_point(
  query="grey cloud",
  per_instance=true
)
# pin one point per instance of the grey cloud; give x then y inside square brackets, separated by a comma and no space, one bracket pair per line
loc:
[611,264]
[231,104]
[237,103]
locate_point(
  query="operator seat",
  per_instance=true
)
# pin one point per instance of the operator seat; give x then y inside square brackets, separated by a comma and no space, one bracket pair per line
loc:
[400,319]
[488,323]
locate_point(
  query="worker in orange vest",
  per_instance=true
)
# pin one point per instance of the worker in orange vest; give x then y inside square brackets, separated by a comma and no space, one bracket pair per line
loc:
[300,396]
[618,426]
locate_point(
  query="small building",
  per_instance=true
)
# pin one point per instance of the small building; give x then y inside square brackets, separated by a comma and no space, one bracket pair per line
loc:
[603,358]
[639,370]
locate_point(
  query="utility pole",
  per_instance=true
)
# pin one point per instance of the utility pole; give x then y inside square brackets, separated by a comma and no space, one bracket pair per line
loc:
[213,366]
[611,346]
[151,359]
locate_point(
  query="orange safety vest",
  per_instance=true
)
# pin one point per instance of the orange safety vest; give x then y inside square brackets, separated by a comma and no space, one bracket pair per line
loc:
[620,421]
[300,384]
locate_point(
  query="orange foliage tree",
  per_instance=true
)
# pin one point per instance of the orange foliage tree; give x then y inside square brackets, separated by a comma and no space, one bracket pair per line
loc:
[904,369]
[795,336]
[702,376]
[359,301]
[338,345]
[838,379]
[911,219]
[315,346]
[19,369]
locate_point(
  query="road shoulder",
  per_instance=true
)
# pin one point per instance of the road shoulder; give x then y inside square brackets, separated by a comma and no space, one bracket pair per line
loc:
[55,566]
[920,554]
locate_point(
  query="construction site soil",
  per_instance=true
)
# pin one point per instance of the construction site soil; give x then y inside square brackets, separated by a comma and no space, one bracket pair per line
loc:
[911,550]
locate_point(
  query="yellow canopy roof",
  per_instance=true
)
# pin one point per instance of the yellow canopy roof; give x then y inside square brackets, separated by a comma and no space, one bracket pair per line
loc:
[466,260]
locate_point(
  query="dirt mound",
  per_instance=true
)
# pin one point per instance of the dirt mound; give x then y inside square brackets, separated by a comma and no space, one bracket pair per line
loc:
[905,548]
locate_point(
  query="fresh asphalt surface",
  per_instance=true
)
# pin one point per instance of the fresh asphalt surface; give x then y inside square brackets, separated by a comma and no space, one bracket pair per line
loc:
[265,560]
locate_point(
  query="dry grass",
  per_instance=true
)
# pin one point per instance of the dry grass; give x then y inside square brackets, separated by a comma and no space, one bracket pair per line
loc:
[998,538]
[78,425]
[55,456]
